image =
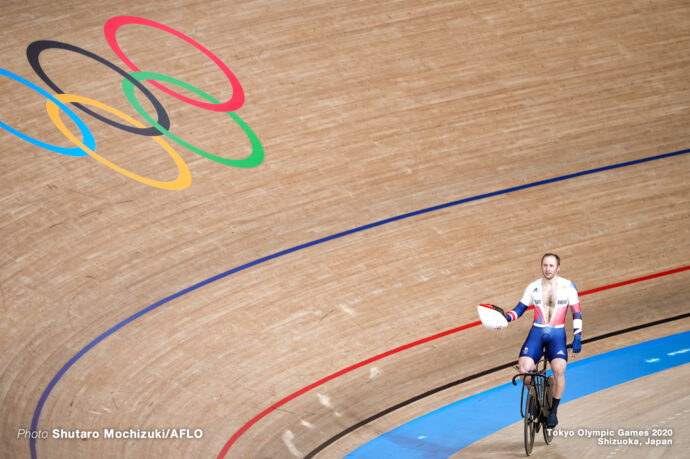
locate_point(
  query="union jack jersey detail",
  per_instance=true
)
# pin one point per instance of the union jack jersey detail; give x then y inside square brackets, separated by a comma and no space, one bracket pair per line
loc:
[566,297]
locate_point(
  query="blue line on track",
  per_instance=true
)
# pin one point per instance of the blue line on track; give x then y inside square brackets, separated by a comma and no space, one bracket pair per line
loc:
[443,432]
[73,360]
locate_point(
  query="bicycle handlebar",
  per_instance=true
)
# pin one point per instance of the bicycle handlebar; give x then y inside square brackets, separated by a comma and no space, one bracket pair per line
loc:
[534,374]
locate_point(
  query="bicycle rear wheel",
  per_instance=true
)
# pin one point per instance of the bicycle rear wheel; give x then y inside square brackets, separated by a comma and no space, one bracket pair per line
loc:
[531,417]
[548,433]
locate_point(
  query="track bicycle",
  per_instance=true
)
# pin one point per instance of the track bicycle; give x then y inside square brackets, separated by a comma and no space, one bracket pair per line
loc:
[535,407]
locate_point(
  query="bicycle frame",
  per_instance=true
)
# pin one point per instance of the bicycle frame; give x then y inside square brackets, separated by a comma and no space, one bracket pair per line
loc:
[537,389]
[538,379]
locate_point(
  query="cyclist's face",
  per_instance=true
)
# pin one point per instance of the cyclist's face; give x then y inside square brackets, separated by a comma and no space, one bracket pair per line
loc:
[549,267]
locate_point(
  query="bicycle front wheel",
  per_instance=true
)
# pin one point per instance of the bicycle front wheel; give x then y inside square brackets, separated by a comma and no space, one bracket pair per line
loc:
[531,418]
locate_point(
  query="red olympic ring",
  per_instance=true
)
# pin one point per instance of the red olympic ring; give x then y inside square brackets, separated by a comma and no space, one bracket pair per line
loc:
[235,102]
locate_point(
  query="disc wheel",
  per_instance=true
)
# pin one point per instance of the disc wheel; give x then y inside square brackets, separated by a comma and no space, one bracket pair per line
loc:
[548,433]
[531,418]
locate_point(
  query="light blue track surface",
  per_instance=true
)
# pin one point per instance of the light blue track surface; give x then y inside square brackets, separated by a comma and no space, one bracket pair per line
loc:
[447,430]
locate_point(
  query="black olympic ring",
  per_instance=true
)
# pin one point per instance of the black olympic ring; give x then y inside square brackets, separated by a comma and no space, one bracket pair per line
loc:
[35,49]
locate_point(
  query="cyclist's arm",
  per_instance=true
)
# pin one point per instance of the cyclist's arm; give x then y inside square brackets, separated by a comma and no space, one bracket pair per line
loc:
[577,318]
[575,309]
[516,312]
[574,303]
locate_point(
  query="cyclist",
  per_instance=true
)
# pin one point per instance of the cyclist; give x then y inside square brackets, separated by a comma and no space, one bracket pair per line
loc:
[551,296]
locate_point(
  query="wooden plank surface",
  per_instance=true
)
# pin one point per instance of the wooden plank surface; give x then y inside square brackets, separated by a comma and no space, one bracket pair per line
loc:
[366,111]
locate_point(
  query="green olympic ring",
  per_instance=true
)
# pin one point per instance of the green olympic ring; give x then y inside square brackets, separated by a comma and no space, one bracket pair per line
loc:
[254,159]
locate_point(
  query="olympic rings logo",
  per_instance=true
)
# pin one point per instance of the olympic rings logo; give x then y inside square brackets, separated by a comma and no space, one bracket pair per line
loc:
[87,145]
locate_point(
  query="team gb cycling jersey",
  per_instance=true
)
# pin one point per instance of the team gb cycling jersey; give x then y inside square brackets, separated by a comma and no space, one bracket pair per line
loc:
[566,297]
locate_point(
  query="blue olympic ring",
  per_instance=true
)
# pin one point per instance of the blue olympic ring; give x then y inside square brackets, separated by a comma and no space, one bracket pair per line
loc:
[86,133]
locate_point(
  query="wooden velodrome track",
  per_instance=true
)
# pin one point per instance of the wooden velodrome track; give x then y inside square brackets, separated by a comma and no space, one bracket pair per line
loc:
[365,111]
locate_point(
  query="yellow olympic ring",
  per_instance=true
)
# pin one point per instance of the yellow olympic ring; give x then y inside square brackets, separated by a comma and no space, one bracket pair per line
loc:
[184,177]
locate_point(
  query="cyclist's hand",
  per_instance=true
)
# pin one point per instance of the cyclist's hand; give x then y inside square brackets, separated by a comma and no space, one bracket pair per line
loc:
[577,345]
[501,311]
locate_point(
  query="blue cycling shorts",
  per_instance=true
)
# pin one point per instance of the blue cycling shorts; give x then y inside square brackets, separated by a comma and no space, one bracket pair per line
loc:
[553,337]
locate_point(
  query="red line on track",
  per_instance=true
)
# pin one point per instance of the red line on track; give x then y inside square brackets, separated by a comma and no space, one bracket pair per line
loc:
[632,281]
[278,404]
